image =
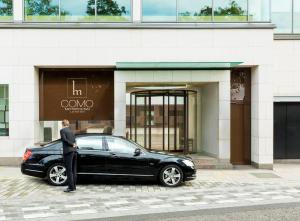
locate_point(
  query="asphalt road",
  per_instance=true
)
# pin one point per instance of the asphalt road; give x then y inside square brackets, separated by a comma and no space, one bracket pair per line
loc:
[272,212]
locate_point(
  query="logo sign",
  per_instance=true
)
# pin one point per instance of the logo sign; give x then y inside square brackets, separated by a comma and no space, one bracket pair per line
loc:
[77,87]
[77,97]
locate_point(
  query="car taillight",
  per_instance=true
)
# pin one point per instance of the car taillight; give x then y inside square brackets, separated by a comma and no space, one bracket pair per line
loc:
[27,154]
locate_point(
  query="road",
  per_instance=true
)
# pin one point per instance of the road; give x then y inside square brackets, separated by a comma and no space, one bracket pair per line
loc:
[270,212]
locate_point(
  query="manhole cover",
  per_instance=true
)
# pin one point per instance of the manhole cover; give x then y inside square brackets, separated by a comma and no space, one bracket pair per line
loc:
[265,175]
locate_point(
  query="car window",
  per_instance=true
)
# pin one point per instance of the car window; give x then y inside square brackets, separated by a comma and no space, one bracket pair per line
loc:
[90,143]
[119,145]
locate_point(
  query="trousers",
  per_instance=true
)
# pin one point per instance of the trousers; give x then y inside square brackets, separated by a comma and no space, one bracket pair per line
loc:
[71,167]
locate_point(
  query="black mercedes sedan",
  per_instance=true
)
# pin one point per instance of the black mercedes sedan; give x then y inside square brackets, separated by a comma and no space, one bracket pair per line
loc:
[108,156]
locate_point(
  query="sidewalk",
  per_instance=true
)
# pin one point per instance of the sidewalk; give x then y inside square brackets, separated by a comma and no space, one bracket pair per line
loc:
[23,197]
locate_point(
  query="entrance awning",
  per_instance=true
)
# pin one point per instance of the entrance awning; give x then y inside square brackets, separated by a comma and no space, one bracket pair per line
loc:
[176,65]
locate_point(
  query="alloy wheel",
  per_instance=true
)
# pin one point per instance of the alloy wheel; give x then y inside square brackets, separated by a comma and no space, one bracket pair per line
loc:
[171,176]
[58,174]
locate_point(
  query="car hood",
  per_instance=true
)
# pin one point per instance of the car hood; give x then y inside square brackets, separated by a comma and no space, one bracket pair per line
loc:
[169,155]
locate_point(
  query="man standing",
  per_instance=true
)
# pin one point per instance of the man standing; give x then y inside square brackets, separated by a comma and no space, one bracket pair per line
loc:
[69,154]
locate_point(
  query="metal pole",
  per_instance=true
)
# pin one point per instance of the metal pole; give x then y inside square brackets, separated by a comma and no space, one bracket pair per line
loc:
[145,121]
[163,124]
[168,122]
[135,113]
[175,123]
[149,120]
[130,117]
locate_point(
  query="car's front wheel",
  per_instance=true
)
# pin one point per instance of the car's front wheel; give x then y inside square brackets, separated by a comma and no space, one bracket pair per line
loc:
[57,174]
[171,176]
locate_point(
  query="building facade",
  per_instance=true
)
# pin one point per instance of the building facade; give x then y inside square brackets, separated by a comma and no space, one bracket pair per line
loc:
[213,77]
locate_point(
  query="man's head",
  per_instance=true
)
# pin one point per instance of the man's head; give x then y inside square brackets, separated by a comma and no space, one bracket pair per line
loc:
[65,123]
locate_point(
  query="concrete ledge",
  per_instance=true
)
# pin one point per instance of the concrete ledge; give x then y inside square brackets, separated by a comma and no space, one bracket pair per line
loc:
[262,166]
[10,161]
[287,161]
[58,25]
[286,36]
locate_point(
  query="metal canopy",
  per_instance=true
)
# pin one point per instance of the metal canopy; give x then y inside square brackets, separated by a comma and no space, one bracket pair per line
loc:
[176,65]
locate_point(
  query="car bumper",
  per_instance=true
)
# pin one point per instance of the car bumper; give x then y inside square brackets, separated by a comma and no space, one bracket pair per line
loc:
[36,170]
[191,174]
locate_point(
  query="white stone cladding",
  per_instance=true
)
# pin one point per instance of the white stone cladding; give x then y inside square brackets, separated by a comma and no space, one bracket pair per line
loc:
[23,51]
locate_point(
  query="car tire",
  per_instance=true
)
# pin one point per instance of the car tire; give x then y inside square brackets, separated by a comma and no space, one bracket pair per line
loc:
[57,174]
[171,176]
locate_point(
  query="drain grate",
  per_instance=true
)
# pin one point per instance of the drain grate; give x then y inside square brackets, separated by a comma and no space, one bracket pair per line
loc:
[265,175]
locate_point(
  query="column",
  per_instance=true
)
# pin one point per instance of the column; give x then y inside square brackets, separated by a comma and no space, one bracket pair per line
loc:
[262,117]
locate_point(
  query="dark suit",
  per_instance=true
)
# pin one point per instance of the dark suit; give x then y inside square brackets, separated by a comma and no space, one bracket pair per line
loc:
[70,156]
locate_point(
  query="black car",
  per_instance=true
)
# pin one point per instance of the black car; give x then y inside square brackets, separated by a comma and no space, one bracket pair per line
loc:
[108,156]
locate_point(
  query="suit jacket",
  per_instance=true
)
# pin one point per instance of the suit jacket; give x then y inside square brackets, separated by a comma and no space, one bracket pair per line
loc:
[68,140]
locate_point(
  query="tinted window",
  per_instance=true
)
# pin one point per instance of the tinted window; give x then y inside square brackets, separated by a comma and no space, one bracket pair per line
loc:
[119,145]
[56,145]
[230,11]
[282,15]
[159,11]
[195,10]
[37,10]
[90,143]
[6,10]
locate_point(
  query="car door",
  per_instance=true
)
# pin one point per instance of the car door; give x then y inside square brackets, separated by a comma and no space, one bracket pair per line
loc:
[122,160]
[91,155]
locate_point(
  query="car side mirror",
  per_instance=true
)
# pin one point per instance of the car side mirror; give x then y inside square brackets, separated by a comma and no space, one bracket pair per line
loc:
[137,152]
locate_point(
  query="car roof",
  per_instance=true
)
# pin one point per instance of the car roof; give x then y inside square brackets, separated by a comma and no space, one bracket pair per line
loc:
[95,134]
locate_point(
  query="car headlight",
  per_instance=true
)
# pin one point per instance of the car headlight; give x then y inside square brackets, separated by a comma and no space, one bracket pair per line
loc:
[188,163]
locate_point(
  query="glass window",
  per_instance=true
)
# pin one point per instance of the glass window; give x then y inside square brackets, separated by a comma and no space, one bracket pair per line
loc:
[6,10]
[259,10]
[230,10]
[119,145]
[113,11]
[42,10]
[195,10]
[282,15]
[4,110]
[159,11]
[77,10]
[90,143]
[297,16]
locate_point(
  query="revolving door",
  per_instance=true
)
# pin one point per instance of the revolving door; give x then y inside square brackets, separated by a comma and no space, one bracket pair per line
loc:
[164,120]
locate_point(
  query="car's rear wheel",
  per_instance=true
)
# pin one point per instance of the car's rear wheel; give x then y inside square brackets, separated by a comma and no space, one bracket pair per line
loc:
[57,174]
[171,176]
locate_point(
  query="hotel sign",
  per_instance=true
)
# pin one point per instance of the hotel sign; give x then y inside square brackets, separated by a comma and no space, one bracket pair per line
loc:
[76,94]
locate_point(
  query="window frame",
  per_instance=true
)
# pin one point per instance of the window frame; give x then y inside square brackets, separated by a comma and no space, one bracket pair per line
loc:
[103,149]
[12,16]
[125,141]
[8,110]
[77,22]
[213,19]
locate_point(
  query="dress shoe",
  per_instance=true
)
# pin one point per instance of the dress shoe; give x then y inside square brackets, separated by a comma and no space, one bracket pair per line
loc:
[69,190]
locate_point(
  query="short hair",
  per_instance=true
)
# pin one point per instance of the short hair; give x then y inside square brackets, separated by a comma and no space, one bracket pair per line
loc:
[108,130]
[65,123]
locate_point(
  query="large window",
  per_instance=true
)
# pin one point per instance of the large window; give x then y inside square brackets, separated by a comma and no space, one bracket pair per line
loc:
[282,15]
[4,121]
[42,10]
[195,11]
[230,11]
[297,16]
[259,10]
[206,10]
[78,10]
[6,10]
[159,11]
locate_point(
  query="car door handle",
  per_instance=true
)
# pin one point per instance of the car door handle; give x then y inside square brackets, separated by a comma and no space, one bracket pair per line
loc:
[113,154]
